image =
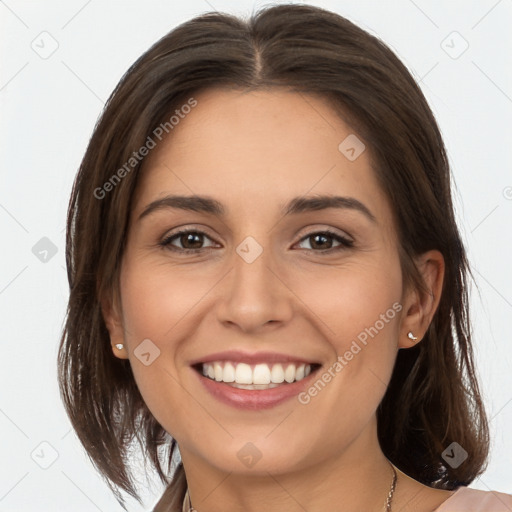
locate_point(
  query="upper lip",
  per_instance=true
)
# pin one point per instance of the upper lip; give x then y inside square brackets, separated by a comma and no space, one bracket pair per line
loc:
[239,356]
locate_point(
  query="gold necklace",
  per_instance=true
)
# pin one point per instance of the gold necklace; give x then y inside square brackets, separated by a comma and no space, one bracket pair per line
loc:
[189,508]
[391,490]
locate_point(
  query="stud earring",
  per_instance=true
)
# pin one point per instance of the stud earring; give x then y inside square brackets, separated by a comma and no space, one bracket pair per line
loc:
[119,346]
[411,336]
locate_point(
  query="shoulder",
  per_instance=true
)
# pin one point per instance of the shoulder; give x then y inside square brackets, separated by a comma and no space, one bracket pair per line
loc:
[465,499]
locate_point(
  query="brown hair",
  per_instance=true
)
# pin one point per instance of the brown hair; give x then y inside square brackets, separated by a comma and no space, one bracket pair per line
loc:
[433,398]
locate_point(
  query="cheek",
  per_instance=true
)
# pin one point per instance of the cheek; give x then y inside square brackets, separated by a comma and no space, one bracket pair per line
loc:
[358,310]
[157,298]
[156,302]
[352,301]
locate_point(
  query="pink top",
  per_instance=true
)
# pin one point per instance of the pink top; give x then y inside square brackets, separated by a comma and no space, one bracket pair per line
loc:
[465,499]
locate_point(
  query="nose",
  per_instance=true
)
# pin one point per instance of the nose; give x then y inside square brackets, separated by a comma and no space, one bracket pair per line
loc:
[254,294]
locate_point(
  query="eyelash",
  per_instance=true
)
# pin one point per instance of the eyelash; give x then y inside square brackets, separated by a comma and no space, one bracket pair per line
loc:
[345,242]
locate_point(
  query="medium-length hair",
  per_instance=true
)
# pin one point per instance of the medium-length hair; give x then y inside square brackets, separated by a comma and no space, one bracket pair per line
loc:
[433,398]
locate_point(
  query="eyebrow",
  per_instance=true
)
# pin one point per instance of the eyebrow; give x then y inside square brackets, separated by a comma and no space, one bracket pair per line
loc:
[297,205]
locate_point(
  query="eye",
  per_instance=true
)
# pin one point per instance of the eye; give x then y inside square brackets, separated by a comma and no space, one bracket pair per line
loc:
[193,240]
[190,241]
[321,239]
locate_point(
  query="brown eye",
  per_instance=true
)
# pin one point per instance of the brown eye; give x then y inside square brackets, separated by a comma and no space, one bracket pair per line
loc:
[189,241]
[323,241]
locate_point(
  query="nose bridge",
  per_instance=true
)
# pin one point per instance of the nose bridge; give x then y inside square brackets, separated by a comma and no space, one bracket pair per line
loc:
[254,295]
[251,266]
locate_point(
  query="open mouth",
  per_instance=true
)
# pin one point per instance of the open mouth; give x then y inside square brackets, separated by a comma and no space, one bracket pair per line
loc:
[255,376]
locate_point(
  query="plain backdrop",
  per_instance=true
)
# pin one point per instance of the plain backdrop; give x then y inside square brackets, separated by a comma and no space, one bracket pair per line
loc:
[60,62]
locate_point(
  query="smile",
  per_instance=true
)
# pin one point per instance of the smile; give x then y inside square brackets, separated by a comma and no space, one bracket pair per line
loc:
[255,376]
[254,386]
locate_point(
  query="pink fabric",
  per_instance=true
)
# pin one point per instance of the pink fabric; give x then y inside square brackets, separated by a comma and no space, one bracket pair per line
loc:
[473,500]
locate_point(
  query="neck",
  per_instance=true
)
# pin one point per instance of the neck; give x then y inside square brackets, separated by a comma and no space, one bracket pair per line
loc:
[358,477]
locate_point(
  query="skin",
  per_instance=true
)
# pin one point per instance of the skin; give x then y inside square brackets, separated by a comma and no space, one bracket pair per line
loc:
[254,151]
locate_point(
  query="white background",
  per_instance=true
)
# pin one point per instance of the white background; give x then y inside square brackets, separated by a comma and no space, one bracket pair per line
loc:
[48,110]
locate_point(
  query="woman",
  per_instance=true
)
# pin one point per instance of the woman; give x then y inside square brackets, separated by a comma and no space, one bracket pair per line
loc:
[265,271]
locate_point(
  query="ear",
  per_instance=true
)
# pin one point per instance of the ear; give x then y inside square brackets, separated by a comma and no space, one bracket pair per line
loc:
[420,306]
[111,311]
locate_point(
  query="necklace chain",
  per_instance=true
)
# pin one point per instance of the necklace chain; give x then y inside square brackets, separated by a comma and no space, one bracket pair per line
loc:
[391,490]
[389,499]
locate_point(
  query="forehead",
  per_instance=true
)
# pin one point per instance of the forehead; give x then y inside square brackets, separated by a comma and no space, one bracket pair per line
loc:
[257,148]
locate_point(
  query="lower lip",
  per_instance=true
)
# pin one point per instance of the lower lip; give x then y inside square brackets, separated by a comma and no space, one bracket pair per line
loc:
[254,399]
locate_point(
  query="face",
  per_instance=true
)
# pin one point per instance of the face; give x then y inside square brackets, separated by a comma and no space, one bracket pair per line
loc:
[320,285]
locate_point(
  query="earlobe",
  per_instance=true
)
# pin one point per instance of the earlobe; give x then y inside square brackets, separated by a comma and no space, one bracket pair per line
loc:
[113,322]
[421,305]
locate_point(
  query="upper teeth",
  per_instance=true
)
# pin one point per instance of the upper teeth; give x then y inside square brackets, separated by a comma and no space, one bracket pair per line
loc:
[261,373]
